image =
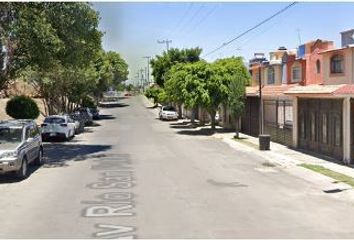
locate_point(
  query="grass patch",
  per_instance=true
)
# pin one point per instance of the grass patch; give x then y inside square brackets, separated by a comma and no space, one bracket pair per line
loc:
[244,141]
[329,173]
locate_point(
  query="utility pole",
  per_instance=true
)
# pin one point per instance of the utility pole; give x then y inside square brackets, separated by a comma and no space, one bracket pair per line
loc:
[137,78]
[148,68]
[142,77]
[167,42]
[260,100]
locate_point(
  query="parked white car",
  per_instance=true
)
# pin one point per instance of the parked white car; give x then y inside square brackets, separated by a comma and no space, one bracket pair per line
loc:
[168,113]
[58,126]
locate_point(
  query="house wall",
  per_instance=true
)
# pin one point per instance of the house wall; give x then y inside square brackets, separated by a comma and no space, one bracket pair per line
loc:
[339,78]
[312,77]
[290,65]
[277,75]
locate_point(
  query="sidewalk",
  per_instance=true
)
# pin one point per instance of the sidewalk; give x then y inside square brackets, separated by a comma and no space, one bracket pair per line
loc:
[282,155]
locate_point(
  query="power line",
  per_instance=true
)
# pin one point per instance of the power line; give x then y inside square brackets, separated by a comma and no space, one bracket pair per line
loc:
[254,27]
[190,6]
[196,13]
[205,17]
[210,12]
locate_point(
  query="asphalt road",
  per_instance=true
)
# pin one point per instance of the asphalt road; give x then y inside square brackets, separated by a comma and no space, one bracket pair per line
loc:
[135,176]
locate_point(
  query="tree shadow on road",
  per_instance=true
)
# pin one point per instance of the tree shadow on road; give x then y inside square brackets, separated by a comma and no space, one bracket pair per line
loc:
[57,155]
[105,117]
[204,131]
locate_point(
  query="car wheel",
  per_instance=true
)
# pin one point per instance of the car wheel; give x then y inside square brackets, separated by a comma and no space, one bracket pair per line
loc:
[22,173]
[39,159]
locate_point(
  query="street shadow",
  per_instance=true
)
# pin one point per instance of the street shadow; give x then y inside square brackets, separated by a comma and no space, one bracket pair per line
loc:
[94,124]
[225,184]
[11,178]
[106,117]
[57,155]
[184,126]
[117,105]
[203,132]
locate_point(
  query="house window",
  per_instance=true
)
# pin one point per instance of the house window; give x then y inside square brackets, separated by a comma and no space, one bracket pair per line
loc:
[270,75]
[337,64]
[256,77]
[318,66]
[296,73]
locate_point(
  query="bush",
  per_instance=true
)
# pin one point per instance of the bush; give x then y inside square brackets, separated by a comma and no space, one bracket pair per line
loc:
[88,102]
[22,107]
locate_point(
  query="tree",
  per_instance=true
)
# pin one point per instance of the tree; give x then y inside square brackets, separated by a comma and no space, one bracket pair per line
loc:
[112,71]
[153,92]
[194,92]
[223,72]
[236,99]
[175,84]
[162,64]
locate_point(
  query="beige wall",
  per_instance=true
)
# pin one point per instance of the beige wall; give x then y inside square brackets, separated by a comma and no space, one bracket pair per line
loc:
[347,77]
[277,75]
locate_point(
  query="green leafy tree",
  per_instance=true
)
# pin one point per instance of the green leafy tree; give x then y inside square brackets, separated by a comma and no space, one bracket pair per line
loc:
[194,92]
[237,99]
[112,71]
[153,93]
[223,72]
[175,85]
[161,64]
[22,107]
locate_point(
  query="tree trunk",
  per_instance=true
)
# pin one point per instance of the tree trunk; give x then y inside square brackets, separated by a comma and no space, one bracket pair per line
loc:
[193,116]
[237,128]
[212,120]
[179,109]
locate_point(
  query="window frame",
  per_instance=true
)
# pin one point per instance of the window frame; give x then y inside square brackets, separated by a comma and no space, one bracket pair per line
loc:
[299,68]
[271,80]
[334,64]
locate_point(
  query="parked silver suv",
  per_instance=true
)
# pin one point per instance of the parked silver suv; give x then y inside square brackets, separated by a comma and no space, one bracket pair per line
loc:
[20,145]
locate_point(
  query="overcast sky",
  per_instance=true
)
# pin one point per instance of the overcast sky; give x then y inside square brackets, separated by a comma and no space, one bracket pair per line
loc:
[133,29]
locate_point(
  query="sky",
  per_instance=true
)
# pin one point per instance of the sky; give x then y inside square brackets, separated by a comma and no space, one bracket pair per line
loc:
[133,29]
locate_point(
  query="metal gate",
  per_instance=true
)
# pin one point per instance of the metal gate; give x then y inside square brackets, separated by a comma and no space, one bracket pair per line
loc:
[278,120]
[320,126]
[250,120]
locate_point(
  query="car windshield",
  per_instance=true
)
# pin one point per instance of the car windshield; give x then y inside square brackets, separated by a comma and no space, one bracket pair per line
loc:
[55,120]
[10,134]
[169,108]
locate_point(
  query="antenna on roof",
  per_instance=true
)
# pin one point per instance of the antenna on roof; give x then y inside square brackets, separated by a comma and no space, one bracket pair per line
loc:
[299,35]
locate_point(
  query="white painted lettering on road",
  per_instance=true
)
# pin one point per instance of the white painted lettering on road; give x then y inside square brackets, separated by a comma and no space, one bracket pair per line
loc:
[114,231]
[109,211]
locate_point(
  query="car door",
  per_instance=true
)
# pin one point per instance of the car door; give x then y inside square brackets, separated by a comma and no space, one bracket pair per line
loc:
[37,141]
[71,125]
[29,143]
